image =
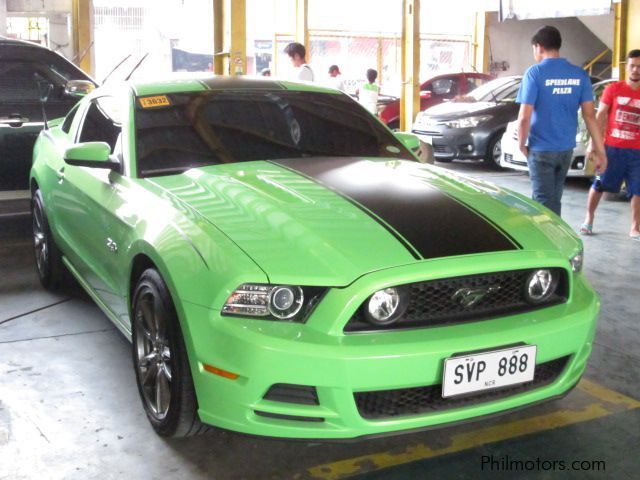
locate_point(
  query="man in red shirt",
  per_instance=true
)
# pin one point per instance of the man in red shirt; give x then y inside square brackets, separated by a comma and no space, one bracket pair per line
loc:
[619,114]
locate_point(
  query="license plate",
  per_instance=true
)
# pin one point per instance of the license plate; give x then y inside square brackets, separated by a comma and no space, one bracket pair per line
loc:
[488,370]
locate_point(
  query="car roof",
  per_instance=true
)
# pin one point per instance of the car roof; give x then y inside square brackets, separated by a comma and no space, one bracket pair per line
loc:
[13,42]
[208,82]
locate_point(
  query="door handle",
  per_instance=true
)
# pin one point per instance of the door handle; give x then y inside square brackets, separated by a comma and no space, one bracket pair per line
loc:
[60,175]
[13,120]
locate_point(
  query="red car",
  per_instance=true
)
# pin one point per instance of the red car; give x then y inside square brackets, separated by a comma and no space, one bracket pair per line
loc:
[434,91]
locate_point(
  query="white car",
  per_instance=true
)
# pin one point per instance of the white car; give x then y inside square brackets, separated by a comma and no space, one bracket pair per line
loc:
[581,166]
[512,157]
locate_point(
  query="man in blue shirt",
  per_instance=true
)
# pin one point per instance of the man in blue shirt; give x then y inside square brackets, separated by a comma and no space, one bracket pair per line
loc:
[549,98]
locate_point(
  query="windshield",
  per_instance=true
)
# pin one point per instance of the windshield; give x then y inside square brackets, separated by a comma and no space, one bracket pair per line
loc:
[501,89]
[176,132]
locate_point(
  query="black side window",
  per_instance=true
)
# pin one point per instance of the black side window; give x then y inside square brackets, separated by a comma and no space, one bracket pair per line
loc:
[445,86]
[19,81]
[68,120]
[100,123]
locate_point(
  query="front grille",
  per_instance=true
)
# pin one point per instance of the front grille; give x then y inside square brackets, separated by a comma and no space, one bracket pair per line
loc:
[435,302]
[296,418]
[509,159]
[415,401]
[431,133]
[442,149]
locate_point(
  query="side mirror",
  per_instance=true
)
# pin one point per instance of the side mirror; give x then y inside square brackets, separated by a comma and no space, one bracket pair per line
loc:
[409,140]
[78,88]
[422,150]
[92,155]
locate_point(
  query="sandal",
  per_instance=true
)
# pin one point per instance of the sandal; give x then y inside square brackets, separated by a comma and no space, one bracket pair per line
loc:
[586,229]
[635,238]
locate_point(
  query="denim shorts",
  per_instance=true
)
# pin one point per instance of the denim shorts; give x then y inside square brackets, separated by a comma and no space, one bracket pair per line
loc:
[622,164]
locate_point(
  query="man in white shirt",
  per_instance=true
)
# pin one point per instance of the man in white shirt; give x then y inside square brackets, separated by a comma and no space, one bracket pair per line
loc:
[335,78]
[297,53]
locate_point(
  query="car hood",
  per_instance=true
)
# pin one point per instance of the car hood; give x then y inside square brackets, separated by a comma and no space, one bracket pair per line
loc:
[333,219]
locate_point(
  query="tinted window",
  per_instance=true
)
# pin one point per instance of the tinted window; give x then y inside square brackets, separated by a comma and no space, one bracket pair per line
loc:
[444,86]
[101,123]
[19,81]
[68,120]
[187,130]
[475,82]
[497,90]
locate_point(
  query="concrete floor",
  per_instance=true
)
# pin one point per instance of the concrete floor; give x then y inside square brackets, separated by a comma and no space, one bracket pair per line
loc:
[69,408]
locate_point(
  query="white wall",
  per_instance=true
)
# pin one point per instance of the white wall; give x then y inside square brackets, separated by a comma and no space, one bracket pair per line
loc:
[3,17]
[59,14]
[602,26]
[511,42]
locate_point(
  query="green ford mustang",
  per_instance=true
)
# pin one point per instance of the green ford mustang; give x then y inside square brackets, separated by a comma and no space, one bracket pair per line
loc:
[284,266]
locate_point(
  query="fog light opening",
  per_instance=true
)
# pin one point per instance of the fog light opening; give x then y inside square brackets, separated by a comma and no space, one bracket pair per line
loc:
[386,306]
[540,286]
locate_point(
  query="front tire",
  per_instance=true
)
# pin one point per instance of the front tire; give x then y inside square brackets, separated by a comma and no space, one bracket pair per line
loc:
[494,151]
[51,270]
[160,361]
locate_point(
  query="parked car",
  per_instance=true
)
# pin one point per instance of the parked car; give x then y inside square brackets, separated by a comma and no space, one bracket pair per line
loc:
[581,165]
[471,127]
[434,91]
[284,266]
[26,71]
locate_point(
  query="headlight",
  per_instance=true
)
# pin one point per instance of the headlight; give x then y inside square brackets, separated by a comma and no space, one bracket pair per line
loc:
[467,122]
[386,306]
[281,302]
[540,285]
[576,262]
[285,302]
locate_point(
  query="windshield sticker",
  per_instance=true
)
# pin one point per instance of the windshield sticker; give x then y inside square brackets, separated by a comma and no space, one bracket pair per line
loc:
[157,101]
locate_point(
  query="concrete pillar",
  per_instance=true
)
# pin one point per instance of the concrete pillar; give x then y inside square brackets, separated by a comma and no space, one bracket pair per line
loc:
[626,35]
[480,55]
[82,12]
[302,25]
[230,37]
[410,66]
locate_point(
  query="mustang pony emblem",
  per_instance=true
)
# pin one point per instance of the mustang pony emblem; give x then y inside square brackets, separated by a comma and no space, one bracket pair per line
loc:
[468,297]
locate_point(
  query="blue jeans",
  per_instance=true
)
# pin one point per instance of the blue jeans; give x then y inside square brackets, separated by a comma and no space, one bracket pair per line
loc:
[548,171]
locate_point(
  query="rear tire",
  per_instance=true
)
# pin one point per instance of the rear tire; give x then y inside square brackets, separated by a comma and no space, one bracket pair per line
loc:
[494,150]
[51,271]
[160,361]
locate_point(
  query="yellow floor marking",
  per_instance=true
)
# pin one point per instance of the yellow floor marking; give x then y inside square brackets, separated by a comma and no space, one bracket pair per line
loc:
[464,441]
[609,396]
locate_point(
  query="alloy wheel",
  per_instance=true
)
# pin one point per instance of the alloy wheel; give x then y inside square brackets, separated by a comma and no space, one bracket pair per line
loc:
[496,152]
[40,244]
[153,354]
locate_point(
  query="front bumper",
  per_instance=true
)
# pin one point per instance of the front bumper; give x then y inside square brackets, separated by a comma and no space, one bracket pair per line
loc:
[265,353]
[511,157]
[455,143]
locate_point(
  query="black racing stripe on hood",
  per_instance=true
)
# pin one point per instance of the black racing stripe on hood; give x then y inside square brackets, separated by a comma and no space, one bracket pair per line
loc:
[428,221]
